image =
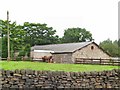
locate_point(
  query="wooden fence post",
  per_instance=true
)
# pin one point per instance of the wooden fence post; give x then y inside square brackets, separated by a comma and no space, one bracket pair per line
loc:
[100,61]
[91,61]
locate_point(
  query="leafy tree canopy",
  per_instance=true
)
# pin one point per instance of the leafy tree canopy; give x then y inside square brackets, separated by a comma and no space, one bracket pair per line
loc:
[112,47]
[76,35]
[22,37]
[38,34]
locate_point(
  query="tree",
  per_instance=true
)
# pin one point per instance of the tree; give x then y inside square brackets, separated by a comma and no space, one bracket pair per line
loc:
[111,47]
[16,37]
[4,47]
[76,35]
[0,47]
[119,42]
[3,27]
[22,37]
[39,34]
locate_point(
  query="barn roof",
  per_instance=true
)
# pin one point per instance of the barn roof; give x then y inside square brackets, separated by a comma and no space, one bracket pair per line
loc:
[61,48]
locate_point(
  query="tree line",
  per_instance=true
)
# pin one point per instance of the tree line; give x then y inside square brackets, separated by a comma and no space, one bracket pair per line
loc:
[23,37]
[111,47]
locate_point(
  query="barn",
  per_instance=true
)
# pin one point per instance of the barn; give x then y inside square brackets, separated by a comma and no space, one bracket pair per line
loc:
[70,52]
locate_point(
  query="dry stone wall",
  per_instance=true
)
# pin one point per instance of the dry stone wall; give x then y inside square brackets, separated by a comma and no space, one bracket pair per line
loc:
[31,79]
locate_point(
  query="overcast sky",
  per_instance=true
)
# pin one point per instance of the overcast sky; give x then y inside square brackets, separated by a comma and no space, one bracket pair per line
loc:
[100,17]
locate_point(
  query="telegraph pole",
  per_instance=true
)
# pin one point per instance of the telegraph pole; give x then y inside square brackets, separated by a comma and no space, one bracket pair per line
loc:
[8,36]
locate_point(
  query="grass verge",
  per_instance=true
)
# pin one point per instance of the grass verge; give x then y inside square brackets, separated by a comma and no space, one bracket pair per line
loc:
[12,65]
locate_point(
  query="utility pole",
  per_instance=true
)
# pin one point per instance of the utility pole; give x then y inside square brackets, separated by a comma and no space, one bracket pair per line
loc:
[8,36]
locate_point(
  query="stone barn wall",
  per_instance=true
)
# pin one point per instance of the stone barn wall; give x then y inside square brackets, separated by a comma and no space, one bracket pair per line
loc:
[30,79]
[89,52]
[63,58]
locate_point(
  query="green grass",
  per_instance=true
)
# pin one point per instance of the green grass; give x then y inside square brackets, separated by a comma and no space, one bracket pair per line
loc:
[12,65]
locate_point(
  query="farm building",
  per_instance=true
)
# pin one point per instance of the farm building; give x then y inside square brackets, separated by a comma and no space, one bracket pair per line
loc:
[70,52]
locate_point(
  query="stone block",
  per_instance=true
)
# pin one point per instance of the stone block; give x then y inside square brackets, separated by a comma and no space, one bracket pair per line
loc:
[17,71]
[29,72]
[14,87]
[23,72]
[8,72]
[17,75]
[64,81]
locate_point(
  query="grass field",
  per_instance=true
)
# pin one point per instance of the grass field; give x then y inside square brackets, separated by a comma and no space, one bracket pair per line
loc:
[12,65]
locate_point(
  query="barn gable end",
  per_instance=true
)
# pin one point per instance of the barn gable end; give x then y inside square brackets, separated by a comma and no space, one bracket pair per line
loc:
[91,51]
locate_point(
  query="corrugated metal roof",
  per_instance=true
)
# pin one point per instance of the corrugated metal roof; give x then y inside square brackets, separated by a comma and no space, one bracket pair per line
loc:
[61,48]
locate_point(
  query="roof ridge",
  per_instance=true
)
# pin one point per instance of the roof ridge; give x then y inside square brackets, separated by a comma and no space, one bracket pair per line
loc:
[65,43]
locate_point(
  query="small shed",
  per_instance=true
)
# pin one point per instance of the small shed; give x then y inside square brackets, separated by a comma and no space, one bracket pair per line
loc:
[69,52]
[38,54]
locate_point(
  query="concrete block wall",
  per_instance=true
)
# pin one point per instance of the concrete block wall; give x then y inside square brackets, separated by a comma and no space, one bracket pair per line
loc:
[31,79]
